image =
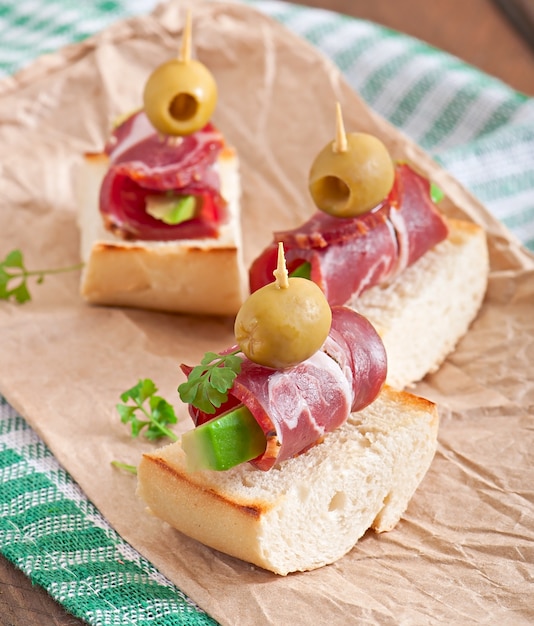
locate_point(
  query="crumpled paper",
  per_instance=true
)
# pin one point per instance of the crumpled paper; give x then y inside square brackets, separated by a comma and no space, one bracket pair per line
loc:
[464,551]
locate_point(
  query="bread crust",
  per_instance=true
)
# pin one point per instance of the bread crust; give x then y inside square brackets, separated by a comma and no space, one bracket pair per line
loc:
[178,276]
[423,314]
[310,510]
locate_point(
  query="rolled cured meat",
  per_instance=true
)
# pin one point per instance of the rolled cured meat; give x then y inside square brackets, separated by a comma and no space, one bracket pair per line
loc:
[144,164]
[296,406]
[349,255]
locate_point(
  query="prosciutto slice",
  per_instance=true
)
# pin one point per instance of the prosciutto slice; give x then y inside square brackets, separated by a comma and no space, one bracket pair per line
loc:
[295,407]
[349,255]
[142,163]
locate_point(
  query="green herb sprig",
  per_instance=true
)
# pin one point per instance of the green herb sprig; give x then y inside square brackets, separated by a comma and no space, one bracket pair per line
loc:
[14,276]
[142,400]
[132,469]
[208,384]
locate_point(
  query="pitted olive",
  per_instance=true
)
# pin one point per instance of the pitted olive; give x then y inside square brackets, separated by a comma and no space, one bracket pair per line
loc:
[180,97]
[352,174]
[283,323]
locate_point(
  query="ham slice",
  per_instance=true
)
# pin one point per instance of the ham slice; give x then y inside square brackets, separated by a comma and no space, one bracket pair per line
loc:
[349,255]
[295,407]
[142,163]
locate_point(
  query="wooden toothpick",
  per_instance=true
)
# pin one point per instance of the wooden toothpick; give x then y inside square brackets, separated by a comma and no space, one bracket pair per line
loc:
[340,142]
[281,273]
[185,49]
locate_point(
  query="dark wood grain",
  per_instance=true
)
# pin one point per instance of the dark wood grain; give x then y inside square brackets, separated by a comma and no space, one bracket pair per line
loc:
[476,31]
[24,604]
[521,15]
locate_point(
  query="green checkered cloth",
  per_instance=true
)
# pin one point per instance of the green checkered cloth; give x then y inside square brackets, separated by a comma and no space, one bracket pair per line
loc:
[476,127]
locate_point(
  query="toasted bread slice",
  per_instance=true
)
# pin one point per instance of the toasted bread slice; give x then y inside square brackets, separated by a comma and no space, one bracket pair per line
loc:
[178,276]
[428,308]
[312,509]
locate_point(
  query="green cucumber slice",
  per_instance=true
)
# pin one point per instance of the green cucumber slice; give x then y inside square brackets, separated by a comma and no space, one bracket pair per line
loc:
[302,271]
[436,194]
[171,210]
[224,442]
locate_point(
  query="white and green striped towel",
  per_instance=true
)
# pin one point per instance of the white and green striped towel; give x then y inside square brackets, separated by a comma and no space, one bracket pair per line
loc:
[475,126]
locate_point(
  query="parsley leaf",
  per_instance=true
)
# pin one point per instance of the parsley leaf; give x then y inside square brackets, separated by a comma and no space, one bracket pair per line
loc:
[152,416]
[145,411]
[14,276]
[208,384]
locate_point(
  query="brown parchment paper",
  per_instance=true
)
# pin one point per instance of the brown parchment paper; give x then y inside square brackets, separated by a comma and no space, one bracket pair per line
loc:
[464,552]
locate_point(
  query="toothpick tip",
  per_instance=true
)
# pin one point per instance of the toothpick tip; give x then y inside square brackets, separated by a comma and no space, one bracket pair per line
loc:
[340,141]
[280,273]
[185,49]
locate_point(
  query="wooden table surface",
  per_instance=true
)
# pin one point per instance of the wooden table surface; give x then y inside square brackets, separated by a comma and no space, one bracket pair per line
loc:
[476,31]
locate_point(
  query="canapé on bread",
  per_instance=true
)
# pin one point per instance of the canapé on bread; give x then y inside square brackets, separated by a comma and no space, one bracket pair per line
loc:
[419,277]
[310,510]
[175,276]
[168,167]
[426,310]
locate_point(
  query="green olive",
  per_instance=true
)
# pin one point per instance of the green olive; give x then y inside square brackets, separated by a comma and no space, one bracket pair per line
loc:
[351,182]
[281,327]
[180,97]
